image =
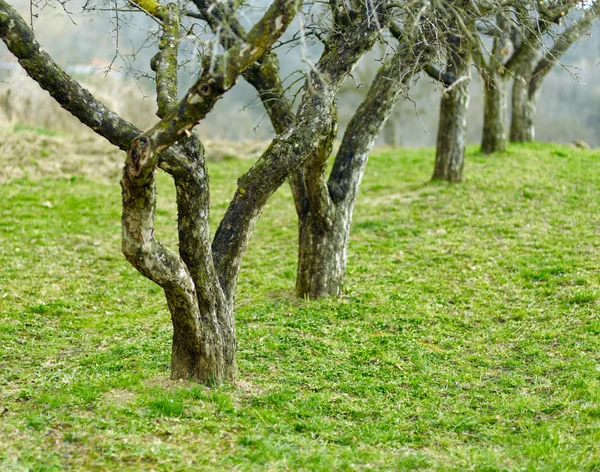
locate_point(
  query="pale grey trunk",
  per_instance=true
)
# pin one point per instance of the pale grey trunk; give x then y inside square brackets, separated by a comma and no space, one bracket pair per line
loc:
[522,127]
[495,114]
[452,128]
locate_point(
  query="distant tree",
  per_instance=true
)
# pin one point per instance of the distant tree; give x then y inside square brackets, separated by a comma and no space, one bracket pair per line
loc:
[325,204]
[200,281]
[452,125]
[528,82]
[518,34]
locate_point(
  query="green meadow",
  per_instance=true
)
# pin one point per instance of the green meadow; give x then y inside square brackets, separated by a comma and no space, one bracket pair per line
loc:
[467,336]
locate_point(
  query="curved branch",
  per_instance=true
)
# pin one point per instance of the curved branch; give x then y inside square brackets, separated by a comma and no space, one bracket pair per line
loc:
[291,148]
[264,76]
[366,124]
[562,44]
[220,74]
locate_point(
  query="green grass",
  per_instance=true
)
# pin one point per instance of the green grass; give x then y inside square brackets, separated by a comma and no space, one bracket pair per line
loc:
[467,337]
[20,127]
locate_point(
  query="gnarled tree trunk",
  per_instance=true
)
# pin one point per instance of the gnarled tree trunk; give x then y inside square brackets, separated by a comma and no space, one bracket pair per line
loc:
[204,344]
[200,281]
[326,216]
[452,128]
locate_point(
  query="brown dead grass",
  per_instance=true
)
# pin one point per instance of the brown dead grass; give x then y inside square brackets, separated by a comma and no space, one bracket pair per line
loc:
[74,149]
[28,154]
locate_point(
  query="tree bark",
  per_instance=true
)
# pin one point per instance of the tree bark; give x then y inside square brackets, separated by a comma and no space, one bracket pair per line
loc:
[522,129]
[495,113]
[203,332]
[325,220]
[451,136]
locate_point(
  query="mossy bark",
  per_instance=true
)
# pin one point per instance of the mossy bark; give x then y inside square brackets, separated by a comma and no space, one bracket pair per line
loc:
[326,216]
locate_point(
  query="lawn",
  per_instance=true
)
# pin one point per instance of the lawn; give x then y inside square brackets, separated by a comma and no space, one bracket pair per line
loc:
[467,337]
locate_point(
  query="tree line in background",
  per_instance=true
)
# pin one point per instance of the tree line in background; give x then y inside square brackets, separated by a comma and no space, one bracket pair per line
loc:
[514,42]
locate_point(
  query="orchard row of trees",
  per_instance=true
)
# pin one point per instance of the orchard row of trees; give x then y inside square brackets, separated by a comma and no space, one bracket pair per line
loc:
[525,45]
[506,40]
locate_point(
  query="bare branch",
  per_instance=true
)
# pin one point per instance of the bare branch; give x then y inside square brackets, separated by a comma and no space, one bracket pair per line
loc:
[220,74]
[562,44]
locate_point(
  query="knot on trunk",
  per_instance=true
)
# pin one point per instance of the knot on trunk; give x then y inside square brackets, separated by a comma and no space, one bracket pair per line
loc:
[139,154]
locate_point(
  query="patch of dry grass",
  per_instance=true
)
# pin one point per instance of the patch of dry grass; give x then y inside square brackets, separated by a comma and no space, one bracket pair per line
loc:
[35,154]
[23,101]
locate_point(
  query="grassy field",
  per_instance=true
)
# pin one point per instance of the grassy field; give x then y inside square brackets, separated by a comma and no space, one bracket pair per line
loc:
[467,338]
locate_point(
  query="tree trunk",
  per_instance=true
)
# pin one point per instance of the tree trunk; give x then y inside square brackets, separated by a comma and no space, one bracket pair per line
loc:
[203,328]
[495,114]
[522,128]
[321,255]
[325,219]
[203,354]
[450,151]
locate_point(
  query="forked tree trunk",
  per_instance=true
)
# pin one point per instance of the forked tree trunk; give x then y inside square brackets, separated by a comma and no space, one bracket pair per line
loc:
[495,113]
[206,354]
[200,282]
[325,219]
[204,343]
[452,128]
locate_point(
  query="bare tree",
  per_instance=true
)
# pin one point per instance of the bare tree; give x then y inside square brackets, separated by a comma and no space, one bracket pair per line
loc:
[452,125]
[200,281]
[518,34]
[528,83]
[325,204]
